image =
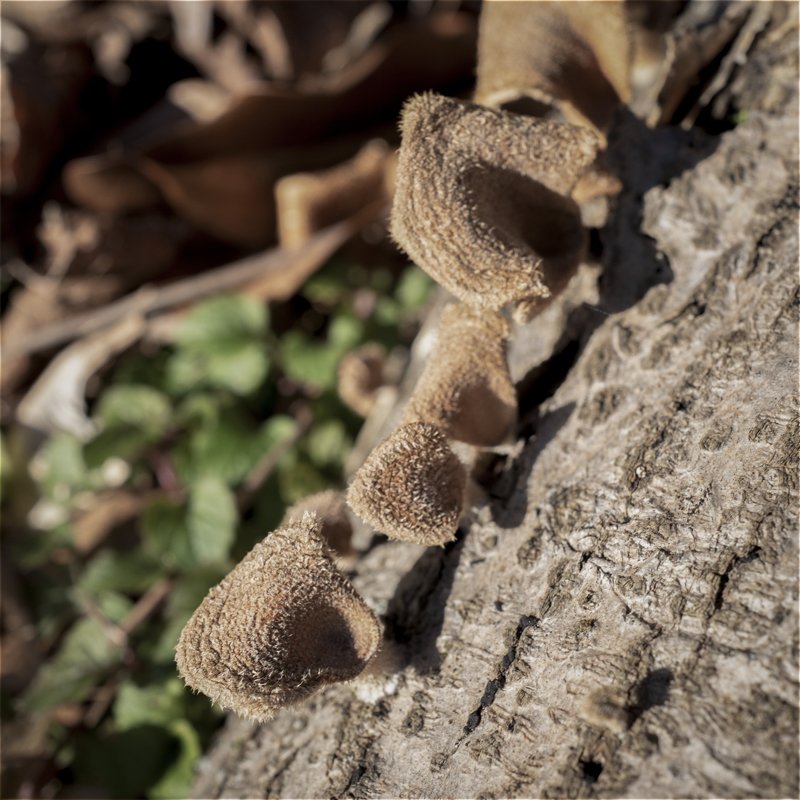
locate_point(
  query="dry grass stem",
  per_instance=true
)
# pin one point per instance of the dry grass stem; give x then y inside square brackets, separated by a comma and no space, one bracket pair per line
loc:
[306,202]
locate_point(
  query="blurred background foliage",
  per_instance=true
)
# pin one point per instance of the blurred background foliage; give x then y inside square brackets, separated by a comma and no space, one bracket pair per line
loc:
[146,448]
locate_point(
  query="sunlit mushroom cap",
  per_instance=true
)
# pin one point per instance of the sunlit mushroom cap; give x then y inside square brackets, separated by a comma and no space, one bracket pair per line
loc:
[283,623]
[336,528]
[482,200]
[411,487]
[573,56]
[466,388]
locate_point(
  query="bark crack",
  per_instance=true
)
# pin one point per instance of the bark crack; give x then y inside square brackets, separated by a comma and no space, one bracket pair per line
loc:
[499,681]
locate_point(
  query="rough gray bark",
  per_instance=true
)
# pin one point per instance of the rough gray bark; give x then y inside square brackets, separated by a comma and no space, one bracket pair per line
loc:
[619,618]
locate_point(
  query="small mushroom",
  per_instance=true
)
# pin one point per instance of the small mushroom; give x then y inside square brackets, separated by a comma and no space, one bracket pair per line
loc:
[574,57]
[465,388]
[309,201]
[282,624]
[360,376]
[482,201]
[411,487]
[332,510]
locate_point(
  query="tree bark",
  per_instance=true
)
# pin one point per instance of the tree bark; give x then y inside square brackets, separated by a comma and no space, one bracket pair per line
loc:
[619,617]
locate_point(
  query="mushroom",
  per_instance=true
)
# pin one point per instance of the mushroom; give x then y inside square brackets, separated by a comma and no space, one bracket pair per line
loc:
[282,624]
[569,57]
[411,487]
[482,201]
[360,375]
[465,388]
[332,510]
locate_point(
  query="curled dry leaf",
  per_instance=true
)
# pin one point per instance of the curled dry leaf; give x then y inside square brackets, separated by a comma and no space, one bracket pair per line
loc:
[360,375]
[330,507]
[466,389]
[282,624]
[482,201]
[219,172]
[309,201]
[42,89]
[411,487]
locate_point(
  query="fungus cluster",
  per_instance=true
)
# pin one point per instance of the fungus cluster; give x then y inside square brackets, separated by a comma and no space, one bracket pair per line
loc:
[282,624]
[488,202]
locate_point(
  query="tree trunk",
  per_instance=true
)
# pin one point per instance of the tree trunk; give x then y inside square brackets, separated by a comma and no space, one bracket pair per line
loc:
[619,617]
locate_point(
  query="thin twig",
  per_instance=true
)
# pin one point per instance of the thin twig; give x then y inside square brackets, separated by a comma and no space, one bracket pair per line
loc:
[146,605]
[261,472]
[151,300]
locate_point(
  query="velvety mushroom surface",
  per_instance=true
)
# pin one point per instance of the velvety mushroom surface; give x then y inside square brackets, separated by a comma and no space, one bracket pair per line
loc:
[483,200]
[466,388]
[411,487]
[283,623]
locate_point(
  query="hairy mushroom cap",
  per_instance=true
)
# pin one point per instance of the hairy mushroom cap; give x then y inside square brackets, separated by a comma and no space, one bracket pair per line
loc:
[330,506]
[465,388]
[411,487]
[360,375]
[482,200]
[283,623]
[572,56]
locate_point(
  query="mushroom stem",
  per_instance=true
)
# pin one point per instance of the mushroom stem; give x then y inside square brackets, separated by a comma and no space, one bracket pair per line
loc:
[465,388]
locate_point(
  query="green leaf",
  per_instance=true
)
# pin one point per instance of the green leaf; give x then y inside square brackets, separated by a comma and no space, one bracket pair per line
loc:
[127,763]
[62,463]
[221,344]
[114,606]
[133,572]
[124,442]
[239,366]
[312,363]
[178,778]
[155,704]
[345,332]
[328,443]
[212,519]
[413,289]
[298,479]
[228,448]
[140,407]
[84,658]
[202,532]
[223,318]
[166,533]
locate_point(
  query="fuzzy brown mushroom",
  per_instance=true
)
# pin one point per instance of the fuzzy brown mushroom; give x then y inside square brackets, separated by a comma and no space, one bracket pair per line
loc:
[360,375]
[482,201]
[337,530]
[282,624]
[569,57]
[465,388]
[411,487]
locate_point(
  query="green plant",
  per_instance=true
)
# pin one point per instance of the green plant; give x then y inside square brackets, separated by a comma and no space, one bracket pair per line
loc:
[200,448]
